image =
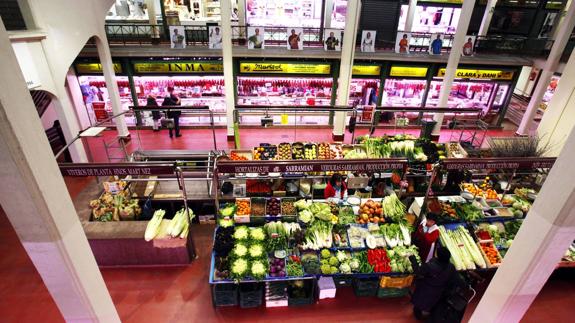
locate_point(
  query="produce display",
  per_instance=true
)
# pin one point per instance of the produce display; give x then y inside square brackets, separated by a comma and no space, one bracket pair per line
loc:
[273,207]
[238,156]
[310,151]
[491,253]
[405,146]
[483,191]
[160,228]
[243,207]
[288,207]
[265,152]
[370,211]
[464,252]
[324,151]
[284,151]
[118,207]
[570,253]
[297,150]
[258,207]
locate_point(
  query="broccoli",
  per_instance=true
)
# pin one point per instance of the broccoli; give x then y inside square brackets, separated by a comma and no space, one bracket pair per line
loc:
[333,261]
[325,253]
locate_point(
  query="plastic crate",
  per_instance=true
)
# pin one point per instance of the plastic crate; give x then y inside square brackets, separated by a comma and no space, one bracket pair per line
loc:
[251,294]
[392,292]
[396,282]
[364,287]
[343,281]
[309,292]
[225,294]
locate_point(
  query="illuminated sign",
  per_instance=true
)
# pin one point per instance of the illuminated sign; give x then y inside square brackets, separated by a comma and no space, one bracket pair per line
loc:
[95,68]
[178,67]
[445,1]
[408,71]
[285,68]
[479,74]
[374,70]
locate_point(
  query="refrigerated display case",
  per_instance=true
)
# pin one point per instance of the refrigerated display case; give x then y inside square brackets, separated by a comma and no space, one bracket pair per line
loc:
[97,100]
[291,13]
[363,91]
[549,92]
[405,86]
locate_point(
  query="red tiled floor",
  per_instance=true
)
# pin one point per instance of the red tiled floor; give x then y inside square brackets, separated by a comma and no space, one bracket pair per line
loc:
[202,139]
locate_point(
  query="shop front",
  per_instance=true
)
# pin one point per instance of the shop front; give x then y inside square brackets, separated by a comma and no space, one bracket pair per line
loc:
[294,13]
[195,12]
[439,16]
[365,84]
[405,86]
[287,84]
[488,90]
[196,83]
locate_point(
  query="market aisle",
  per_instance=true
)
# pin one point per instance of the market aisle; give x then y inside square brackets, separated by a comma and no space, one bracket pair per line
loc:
[202,139]
[181,294]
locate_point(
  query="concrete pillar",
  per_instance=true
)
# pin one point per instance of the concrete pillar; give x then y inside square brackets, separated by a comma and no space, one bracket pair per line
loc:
[37,203]
[558,121]
[346,65]
[150,4]
[453,61]
[242,13]
[549,69]
[327,13]
[487,15]
[111,83]
[411,9]
[559,19]
[539,245]
[227,56]
[75,95]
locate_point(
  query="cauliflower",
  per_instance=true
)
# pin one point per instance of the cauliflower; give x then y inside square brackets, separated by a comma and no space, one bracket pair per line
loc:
[240,250]
[345,268]
[241,233]
[333,270]
[239,268]
[325,254]
[258,234]
[325,269]
[259,269]
[324,262]
[333,261]
[341,256]
[256,250]
[354,264]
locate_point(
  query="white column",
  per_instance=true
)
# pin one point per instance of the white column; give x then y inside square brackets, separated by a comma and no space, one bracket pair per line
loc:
[228,64]
[453,61]
[150,4]
[111,83]
[559,19]
[549,69]
[557,121]
[75,95]
[539,245]
[346,64]
[242,13]
[37,203]
[410,15]
[487,15]
[327,13]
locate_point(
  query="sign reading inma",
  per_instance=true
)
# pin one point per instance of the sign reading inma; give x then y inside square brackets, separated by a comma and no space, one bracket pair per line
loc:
[179,67]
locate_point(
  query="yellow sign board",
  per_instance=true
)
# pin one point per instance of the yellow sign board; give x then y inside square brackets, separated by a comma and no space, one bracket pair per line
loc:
[479,74]
[285,68]
[178,67]
[374,70]
[408,71]
[95,68]
[446,1]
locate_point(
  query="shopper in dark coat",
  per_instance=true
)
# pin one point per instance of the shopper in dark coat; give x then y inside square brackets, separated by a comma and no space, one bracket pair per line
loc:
[172,100]
[431,282]
[156,116]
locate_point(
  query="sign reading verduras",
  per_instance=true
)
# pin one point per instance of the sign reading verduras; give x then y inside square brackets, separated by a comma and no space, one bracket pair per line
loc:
[498,163]
[354,165]
[116,169]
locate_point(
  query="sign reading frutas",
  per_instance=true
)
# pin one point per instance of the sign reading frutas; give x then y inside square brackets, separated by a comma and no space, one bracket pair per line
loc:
[285,68]
[479,74]
[119,169]
[355,165]
[373,70]
[405,71]
[179,67]
[95,68]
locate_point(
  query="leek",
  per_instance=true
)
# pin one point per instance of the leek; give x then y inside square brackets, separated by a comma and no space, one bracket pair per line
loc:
[153,227]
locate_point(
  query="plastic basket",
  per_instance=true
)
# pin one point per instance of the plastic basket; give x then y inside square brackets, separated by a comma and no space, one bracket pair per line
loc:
[342,281]
[396,282]
[392,292]
[364,287]
[309,291]
[225,294]
[251,295]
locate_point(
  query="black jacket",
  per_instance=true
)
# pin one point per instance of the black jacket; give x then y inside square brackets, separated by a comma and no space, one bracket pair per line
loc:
[172,100]
[432,280]
[153,103]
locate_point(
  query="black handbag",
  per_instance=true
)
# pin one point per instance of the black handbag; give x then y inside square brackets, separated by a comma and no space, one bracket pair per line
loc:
[168,123]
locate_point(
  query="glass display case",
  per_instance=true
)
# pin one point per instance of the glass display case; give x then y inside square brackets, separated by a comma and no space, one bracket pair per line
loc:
[363,91]
[403,93]
[549,92]
[488,96]
[290,13]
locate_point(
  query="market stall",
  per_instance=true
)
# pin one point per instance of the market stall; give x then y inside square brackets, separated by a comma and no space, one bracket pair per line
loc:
[405,86]
[365,84]
[484,88]
[293,13]
[284,84]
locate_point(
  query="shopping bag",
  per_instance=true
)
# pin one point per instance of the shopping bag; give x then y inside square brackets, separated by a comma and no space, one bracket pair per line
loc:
[168,123]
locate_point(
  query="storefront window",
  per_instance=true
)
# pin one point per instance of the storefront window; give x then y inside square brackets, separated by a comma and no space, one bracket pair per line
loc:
[363,91]
[131,10]
[480,95]
[280,13]
[284,91]
[96,96]
[195,12]
[431,19]
[403,93]
[338,14]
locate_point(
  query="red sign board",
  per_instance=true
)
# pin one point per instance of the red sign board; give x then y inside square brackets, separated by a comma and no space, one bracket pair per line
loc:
[498,163]
[302,166]
[117,169]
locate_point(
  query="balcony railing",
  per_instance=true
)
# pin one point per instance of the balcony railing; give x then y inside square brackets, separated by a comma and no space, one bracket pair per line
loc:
[145,34]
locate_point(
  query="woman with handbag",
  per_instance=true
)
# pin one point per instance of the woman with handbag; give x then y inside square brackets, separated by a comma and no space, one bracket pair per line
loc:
[174,115]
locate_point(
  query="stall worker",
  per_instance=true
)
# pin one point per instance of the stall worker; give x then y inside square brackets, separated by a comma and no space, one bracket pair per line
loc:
[335,188]
[426,236]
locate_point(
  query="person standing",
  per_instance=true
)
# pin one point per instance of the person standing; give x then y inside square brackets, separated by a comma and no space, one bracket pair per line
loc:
[172,100]
[152,103]
[335,188]
[425,237]
[215,38]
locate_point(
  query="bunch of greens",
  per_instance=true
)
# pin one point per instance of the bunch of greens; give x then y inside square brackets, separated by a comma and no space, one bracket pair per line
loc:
[346,215]
[399,257]
[364,266]
[322,211]
[464,252]
[318,235]
[396,234]
[468,212]
[294,268]
[393,208]
[241,233]
[311,264]
[257,234]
